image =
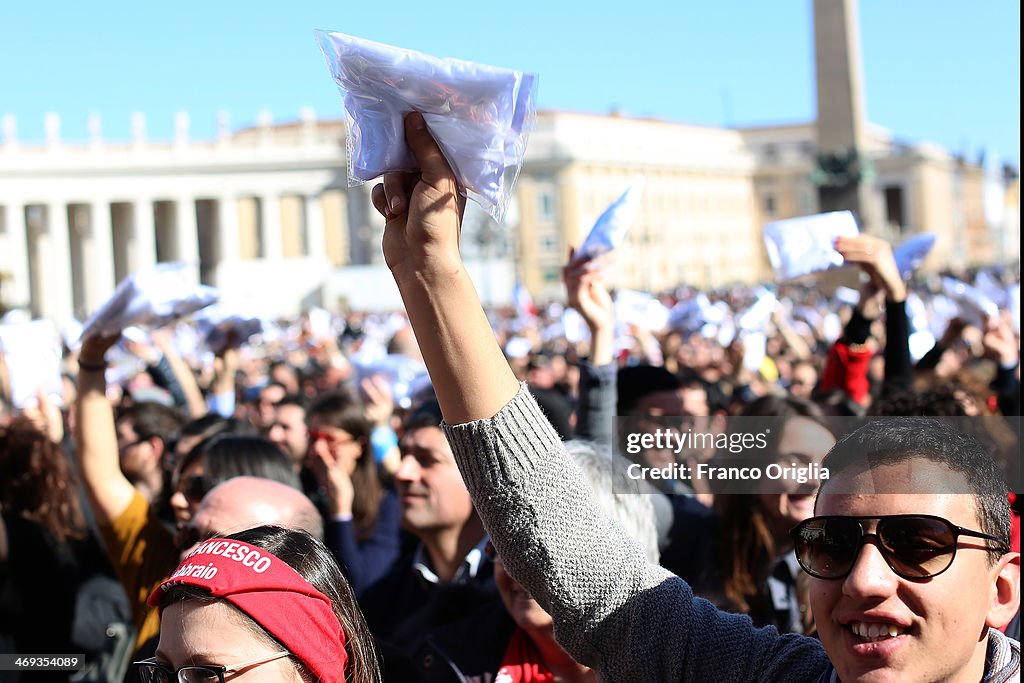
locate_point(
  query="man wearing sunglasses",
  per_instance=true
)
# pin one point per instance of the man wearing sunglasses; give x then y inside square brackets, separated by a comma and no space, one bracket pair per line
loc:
[914,541]
[909,554]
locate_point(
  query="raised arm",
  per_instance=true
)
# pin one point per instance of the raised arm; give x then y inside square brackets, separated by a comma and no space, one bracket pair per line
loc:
[874,256]
[587,294]
[188,388]
[421,247]
[96,437]
[612,609]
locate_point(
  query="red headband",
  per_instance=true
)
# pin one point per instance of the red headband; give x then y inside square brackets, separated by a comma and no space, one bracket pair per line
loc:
[273,594]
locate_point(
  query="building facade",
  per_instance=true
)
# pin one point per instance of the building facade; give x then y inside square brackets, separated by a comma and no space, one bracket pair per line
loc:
[266,213]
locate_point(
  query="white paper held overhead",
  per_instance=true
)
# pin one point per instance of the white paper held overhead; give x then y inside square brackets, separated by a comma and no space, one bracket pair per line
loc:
[610,229]
[800,246]
[480,115]
[150,298]
[912,253]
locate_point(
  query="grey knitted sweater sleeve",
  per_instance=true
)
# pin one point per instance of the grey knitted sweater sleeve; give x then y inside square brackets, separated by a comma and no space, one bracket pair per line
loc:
[626,618]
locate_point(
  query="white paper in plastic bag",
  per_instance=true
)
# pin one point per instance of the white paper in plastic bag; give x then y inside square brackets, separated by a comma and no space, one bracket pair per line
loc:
[799,246]
[399,372]
[480,115]
[32,353]
[847,295]
[574,326]
[151,298]
[974,307]
[912,253]
[992,288]
[754,350]
[755,318]
[640,309]
[609,230]
[219,325]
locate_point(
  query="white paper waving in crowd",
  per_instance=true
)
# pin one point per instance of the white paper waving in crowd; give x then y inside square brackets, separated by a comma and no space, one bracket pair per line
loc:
[401,373]
[847,295]
[921,338]
[640,309]
[992,288]
[800,246]
[974,307]
[912,253]
[221,328]
[609,230]
[1013,294]
[760,312]
[480,115]
[150,298]
[32,353]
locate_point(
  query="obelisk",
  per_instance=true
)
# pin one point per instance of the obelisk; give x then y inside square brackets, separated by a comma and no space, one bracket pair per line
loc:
[843,173]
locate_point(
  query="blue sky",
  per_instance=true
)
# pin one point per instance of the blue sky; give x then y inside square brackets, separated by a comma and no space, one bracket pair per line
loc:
[941,70]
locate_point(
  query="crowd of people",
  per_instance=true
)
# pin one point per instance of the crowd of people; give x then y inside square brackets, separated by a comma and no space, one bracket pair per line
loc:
[438,494]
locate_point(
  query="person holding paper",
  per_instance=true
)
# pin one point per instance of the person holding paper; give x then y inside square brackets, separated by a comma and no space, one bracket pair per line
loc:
[846,366]
[142,549]
[884,612]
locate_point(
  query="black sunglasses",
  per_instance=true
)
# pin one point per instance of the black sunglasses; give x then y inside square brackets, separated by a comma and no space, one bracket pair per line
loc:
[914,546]
[194,488]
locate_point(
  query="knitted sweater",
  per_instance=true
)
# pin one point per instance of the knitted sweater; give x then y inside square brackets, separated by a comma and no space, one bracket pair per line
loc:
[613,611]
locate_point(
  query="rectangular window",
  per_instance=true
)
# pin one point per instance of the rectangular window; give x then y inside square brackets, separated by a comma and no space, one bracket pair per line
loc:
[547,207]
[894,215]
[769,205]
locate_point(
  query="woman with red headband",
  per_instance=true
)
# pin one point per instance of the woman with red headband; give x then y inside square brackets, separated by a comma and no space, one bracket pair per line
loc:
[267,602]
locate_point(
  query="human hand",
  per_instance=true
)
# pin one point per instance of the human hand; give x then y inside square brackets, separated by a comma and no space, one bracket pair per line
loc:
[94,348]
[46,417]
[587,293]
[874,256]
[378,403]
[331,466]
[954,330]
[144,350]
[1000,343]
[423,210]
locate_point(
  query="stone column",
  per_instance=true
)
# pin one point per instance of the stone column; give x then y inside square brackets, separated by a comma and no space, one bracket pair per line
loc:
[14,258]
[143,250]
[187,236]
[316,245]
[54,256]
[227,229]
[227,239]
[99,257]
[270,227]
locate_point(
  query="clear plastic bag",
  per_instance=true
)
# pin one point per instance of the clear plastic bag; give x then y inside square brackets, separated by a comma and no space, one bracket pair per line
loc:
[481,116]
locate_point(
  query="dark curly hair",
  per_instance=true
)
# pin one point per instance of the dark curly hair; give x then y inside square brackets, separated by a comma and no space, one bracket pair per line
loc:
[37,482]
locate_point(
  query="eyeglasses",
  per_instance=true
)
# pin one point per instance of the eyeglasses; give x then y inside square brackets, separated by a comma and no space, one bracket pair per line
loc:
[914,546]
[194,488]
[332,441]
[151,671]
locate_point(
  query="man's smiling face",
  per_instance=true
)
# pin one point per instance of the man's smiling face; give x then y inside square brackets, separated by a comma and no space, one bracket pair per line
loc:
[877,626]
